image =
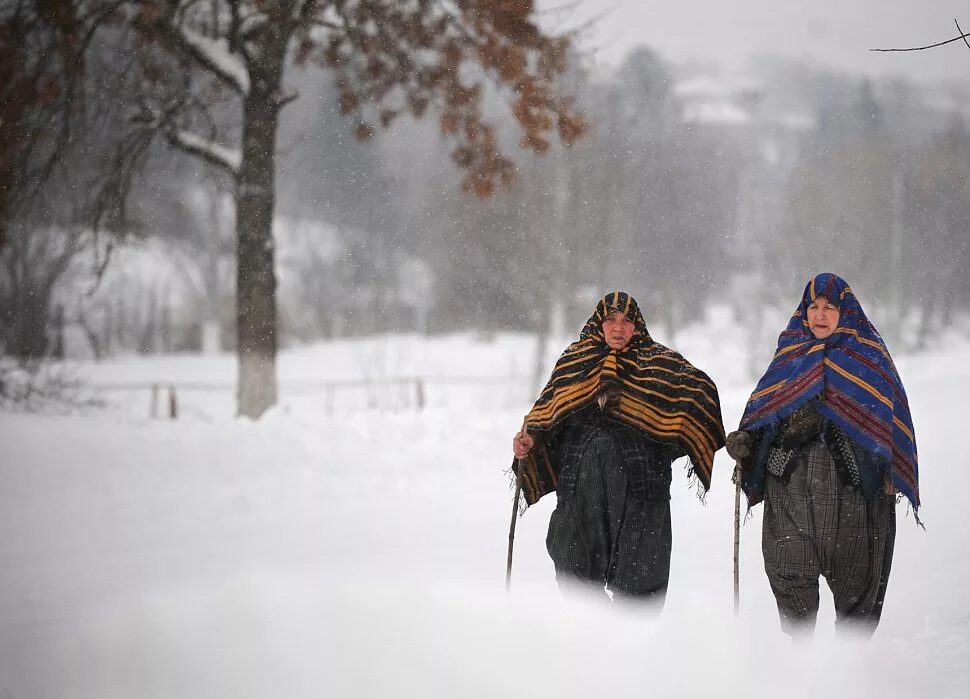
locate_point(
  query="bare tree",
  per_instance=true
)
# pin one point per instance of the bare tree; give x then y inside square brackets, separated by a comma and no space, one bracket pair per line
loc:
[41,61]
[196,56]
[31,263]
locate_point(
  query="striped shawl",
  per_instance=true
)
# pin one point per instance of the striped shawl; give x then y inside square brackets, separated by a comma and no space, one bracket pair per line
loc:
[853,374]
[660,393]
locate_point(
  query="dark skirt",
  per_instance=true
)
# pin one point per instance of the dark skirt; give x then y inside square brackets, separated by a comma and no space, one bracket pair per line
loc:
[605,533]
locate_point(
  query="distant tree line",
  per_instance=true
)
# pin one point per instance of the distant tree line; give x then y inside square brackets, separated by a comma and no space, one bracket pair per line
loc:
[813,171]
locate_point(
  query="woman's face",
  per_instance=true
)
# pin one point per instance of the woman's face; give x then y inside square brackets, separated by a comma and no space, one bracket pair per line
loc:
[823,317]
[618,330]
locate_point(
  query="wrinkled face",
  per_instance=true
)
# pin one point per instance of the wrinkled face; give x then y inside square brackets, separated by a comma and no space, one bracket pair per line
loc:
[618,330]
[823,317]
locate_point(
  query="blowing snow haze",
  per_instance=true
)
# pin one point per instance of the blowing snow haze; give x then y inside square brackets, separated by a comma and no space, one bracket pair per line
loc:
[833,33]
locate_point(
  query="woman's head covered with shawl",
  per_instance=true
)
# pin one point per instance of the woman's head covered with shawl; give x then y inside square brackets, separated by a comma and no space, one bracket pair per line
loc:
[625,304]
[660,393]
[852,373]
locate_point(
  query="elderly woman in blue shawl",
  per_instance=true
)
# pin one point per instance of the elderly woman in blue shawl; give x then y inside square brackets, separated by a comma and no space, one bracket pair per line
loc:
[826,441]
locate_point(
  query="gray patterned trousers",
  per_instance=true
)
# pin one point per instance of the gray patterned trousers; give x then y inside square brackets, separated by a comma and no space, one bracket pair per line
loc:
[815,525]
[601,536]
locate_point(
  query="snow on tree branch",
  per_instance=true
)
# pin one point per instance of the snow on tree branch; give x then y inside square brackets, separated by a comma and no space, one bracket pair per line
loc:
[214,55]
[214,153]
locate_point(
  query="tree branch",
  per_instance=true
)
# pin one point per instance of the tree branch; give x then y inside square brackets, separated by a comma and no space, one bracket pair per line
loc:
[931,46]
[961,32]
[250,25]
[214,55]
[309,16]
[213,153]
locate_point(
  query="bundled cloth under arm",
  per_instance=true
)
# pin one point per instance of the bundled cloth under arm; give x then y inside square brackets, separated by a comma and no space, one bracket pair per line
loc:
[656,391]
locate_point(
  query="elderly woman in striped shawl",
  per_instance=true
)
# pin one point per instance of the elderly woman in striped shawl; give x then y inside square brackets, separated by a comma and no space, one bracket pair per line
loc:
[618,409]
[826,440]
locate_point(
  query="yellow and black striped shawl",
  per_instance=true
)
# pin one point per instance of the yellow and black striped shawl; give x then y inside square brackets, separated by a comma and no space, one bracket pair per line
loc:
[661,393]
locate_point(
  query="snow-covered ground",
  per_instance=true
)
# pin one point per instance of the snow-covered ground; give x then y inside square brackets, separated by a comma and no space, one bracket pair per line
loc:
[361,553]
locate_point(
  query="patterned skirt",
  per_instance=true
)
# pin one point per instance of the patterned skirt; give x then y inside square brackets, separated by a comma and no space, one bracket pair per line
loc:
[816,525]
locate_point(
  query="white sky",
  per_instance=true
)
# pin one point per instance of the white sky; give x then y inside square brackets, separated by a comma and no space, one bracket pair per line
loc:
[837,33]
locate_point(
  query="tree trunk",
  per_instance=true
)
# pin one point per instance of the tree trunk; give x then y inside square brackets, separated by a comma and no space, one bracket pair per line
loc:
[57,351]
[211,341]
[31,311]
[255,273]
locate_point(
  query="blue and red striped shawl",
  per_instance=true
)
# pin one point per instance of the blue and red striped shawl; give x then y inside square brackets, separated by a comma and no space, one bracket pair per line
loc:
[854,375]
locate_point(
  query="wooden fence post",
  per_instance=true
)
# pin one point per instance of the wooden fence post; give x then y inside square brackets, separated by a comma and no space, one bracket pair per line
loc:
[173,407]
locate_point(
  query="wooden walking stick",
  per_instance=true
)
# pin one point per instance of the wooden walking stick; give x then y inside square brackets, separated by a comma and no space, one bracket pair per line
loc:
[521,463]
[737,537]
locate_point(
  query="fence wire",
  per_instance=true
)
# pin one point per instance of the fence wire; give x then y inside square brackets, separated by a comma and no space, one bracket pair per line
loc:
[173,399]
